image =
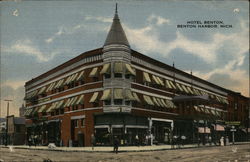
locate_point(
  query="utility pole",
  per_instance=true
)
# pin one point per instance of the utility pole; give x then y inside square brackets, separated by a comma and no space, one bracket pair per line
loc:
[6,127]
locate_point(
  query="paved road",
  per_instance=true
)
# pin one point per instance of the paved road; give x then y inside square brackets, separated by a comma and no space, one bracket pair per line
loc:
[236,153]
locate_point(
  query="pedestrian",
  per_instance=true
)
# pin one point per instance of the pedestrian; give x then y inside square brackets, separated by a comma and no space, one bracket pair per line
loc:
[199,141]
[183,139]
[136,140]
[174,141]
[227,140]
[210,140]
[116,144]
[222,141]
[29,141]
[92,141]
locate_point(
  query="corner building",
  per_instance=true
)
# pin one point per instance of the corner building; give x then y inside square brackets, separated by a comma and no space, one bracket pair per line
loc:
[116,91]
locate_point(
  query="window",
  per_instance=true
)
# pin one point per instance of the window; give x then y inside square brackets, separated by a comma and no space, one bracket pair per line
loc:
[127,102]
[107,102]
[107,76]
[61,111]
[76,123]
[82,122]
[118,101]
[118,75]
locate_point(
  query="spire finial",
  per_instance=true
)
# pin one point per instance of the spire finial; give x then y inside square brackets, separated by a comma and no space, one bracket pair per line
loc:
[116,8]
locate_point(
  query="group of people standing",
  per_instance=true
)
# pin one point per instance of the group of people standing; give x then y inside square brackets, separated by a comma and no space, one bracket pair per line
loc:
[178,141]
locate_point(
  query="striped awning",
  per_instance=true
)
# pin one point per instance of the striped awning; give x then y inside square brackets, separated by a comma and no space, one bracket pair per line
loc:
[52,107]
[80,76]
[106,94]
[160,81]
[136,97]
[42,108]
[28,112]
[168,85]
[41,90]
[129,95]
[73,101]
[146,77]
[184,88]
[148,100]
[59,83]
[164,103]
[105,69]
[190,90]
[172,84]
[129,69]
[156,80]
[93,72]
[60,104]
[73,78]
[80,100]
[94,97]
[156,102]
[118,93]
[179,87]
[118,67]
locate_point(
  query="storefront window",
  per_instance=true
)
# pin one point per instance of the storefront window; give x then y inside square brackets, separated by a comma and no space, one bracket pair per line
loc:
[107,102]
[118,75]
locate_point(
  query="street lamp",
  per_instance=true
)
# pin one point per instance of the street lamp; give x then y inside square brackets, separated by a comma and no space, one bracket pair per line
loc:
[6,129]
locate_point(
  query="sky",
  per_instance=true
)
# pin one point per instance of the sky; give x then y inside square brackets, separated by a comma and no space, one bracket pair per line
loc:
[39,35]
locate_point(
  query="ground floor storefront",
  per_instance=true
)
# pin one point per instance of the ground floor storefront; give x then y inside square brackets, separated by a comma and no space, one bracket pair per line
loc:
[131,130]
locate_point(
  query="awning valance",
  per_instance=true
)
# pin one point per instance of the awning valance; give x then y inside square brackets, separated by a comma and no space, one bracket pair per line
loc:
[148,100]
[106,94]
[129,69]
[129,95]
[93,73]
[136,97]
[118,93]
[204,130]
[118,67]
[146,77]
[219,127]
[80,100]
[105,69]
[94,97]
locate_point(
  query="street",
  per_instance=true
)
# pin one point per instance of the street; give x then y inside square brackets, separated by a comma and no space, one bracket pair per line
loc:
[236,153]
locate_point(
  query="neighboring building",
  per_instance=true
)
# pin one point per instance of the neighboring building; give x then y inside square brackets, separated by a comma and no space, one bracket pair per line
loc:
[16,131]
[116,91]
[21,111]
[2,130]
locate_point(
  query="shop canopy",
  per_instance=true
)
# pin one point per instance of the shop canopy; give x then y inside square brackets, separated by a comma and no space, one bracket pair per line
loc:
[105,69]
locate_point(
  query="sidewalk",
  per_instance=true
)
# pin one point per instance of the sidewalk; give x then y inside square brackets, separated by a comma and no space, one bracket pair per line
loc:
[110,149]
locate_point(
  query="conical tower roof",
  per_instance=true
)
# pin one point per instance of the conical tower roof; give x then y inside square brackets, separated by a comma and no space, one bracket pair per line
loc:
[116,33]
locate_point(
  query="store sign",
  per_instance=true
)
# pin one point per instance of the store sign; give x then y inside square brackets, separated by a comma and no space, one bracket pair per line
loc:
[233,123]
[116,109]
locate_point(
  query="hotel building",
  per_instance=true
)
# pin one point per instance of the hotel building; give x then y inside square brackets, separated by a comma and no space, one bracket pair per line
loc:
[117,91]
